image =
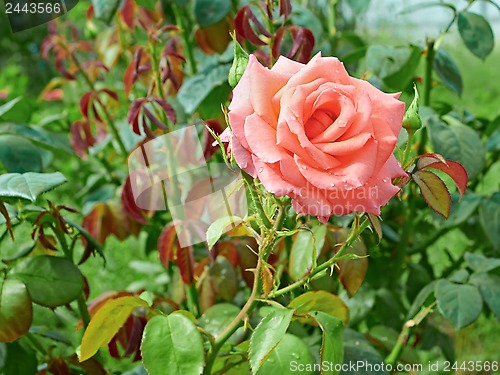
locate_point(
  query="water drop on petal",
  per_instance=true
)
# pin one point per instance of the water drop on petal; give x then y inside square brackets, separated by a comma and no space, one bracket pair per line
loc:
[261,170]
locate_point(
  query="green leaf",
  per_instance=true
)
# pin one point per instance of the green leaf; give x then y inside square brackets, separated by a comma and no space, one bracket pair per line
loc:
[332,347]
[219,227]
[267,336]
[217,318]
[476,33]
[459,277]
[489,216]
[15,310]
[106,322]
[459,143]
[306,246]
[489,286]
[28,186]
[480,263]
[196,88]
[320,301]
[208,12]
[223,278]
[401,78]
[359,6]
[395,66]
[19,155]
[434,191]
[4,108]
[357,348]
[105,9]
[40,136]
[447,70]
[460,304]
[20,360]
[51,281]
[421,298]
[148,4]
[291,356]
[172,345]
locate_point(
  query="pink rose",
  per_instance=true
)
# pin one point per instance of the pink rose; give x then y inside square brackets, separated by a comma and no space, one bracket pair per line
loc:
[316,134]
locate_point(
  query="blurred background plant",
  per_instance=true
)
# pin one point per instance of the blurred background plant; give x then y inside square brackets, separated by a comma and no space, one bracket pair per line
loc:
[78,96]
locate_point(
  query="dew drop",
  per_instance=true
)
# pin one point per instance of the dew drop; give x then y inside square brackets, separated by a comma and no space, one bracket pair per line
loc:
[348,187]
[296,355]
[261,170]
[304,167]
[386,179]
[332,184]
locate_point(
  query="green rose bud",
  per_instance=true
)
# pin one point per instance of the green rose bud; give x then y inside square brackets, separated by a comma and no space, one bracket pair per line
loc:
[412,121]
[240,63]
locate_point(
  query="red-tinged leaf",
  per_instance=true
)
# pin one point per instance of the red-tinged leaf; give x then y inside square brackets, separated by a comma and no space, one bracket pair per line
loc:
[137,58]
[135,213]
[81,137]
[210,148]
[85,103]
[168,245]
[135,335]
[258,24]
[128,78]
[434,191]
[200,266]
[64,72]
[127,13]
[285,8]
[89,14]
[93,222]
[167,108]
[96,112]
[352,272]
[168,28]
[5,214]
[111,93]
[456,171]
[15,310]
[133,115]
[243,28]
[155,120]
[228,250]
[53,95]
[185,262]
[202,41]
[267,280]
[57,366]
[426,159]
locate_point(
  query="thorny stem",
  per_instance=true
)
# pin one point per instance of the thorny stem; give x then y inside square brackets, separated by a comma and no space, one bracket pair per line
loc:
[406,333]
[264,251]
[324,266]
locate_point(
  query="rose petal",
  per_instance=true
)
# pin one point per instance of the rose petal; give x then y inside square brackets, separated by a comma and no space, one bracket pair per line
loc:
[262,139]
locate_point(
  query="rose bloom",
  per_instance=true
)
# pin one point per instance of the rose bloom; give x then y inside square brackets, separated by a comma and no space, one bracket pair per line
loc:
[317,135]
